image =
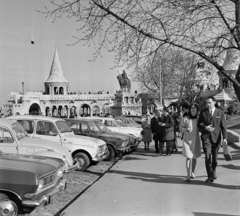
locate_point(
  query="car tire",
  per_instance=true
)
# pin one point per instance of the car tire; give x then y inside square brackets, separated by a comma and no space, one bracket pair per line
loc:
[83,160]
[111,153]
[9,205]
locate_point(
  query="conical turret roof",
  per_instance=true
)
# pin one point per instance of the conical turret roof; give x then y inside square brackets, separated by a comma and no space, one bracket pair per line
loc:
[56,73]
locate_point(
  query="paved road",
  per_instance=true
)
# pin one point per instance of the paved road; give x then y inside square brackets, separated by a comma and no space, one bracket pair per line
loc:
[146,184]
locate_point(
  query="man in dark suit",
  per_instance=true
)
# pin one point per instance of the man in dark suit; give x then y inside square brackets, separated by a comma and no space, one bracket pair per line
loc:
[212,123]
[156,129]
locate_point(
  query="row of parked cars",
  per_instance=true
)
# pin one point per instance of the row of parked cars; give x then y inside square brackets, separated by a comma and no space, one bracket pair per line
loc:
[36,151]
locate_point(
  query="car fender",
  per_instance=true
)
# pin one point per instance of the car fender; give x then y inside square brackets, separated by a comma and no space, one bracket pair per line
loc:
[76,147]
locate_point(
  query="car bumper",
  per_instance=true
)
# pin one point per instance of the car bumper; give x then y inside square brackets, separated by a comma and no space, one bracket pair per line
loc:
[46,198]
[124,150]
[71,168]
[101,157]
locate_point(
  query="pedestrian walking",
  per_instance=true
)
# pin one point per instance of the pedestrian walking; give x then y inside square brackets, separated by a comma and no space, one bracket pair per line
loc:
[146,132]
[191,140]
[168,125]
[212,124]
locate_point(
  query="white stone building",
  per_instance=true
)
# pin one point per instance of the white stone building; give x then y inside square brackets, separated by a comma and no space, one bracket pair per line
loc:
[57,101]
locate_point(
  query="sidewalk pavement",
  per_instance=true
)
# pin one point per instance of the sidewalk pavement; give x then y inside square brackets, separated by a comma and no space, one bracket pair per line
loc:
[145,184]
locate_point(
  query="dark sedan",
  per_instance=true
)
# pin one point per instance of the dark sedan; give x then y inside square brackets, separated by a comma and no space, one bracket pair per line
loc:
[116,144]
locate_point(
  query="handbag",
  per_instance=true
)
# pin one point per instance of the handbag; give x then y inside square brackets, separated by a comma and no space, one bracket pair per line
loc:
[227,153]
[142,132]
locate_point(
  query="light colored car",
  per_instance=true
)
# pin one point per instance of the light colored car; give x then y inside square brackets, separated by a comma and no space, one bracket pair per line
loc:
[14,140]
[84,150]
[116,126]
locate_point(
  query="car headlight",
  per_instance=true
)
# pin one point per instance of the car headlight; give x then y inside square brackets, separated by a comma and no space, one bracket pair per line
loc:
[124,144]
[60,172]
[40,184]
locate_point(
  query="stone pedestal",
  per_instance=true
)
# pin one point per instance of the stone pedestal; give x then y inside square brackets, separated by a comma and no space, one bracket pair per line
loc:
[126,103]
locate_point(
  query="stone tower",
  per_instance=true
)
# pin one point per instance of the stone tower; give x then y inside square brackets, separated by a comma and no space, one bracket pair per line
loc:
[56,83]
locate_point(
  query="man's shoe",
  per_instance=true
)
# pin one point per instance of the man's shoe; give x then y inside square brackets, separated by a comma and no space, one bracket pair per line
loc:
[160,154]
[214,177]
[209,180]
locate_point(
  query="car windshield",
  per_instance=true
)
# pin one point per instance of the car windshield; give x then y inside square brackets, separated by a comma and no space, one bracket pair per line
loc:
[131,120]
[63,127]
[93,127]
[120,123]
[19,131]
[102,126]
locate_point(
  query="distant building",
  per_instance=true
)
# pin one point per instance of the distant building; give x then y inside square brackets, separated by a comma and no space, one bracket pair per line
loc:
[56,100]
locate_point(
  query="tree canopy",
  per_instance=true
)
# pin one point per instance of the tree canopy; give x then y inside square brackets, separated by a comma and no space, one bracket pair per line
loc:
[136,30]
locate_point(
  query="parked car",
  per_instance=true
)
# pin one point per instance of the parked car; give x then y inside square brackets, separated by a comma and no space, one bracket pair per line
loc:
[84,150]
[128,122]
[134,142]
[115,126]
[27,181]
[14,139]
[136,118]
[116,144]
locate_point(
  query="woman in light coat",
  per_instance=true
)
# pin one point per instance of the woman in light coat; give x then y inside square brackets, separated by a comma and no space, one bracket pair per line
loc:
[191,140]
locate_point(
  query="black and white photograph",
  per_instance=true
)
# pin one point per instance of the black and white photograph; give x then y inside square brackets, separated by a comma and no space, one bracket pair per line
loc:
[120,108]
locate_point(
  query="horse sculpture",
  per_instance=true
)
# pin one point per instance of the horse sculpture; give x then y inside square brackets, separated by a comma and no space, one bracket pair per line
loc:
[124,82]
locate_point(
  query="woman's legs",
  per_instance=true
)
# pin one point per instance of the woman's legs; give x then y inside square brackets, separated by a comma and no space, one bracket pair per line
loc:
[145,146]
[188,166]
[194,162]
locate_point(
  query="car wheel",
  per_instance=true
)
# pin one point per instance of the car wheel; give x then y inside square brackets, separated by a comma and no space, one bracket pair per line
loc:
[8,206]
[111,153]
[83,161]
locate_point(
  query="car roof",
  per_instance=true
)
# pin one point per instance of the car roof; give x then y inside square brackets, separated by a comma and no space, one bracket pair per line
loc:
[97,118]
[81,119]
[36,117]
[6,122]
[121,117]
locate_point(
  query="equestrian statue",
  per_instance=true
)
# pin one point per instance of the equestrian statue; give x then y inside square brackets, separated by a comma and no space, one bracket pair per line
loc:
[124,82]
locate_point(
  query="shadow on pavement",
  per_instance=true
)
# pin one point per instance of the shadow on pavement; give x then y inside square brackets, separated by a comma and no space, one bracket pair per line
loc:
[170,179]
[210,214]
[231,166]
[134,158]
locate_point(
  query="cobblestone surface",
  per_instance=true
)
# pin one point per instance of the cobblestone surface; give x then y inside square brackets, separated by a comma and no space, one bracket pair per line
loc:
[77,183]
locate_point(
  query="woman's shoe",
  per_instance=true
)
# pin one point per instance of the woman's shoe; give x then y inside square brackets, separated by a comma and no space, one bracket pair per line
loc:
[193,176]
[188,180]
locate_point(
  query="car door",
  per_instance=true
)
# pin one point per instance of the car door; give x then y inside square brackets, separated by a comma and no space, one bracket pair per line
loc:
[47,130]
[7,142]
[84,129]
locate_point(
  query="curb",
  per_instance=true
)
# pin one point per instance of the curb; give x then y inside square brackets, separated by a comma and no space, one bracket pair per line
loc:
[62,213]
[43,210]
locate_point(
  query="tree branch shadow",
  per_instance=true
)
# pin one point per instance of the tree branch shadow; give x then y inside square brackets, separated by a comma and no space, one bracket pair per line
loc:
[170,179]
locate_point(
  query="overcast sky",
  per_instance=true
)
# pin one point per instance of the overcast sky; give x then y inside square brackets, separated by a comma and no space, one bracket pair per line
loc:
[22,61]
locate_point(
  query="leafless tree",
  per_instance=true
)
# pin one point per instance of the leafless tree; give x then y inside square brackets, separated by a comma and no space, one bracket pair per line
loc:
[135,29]
[181,75]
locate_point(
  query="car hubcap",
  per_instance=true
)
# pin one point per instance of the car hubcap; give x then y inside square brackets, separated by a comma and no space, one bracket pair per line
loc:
[8,208]
[80,161]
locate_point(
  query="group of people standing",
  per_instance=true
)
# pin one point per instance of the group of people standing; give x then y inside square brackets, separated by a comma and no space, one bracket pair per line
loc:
[206,127]
[160,128]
